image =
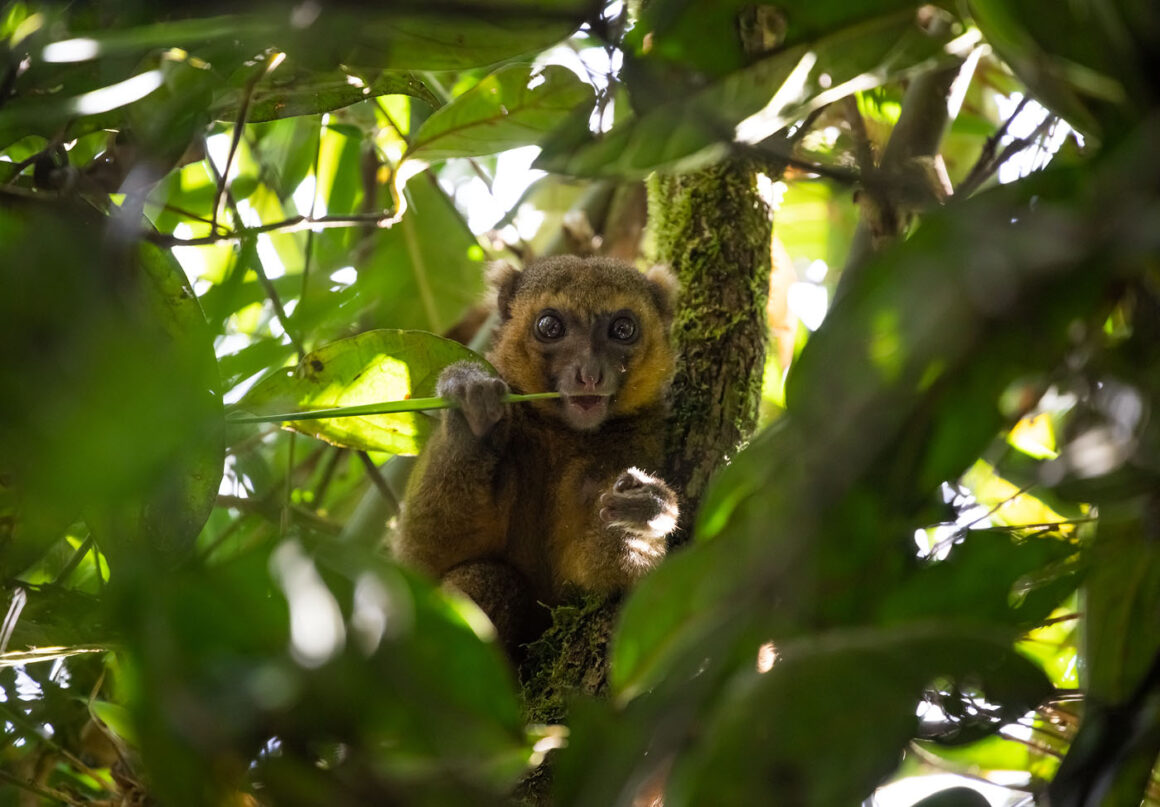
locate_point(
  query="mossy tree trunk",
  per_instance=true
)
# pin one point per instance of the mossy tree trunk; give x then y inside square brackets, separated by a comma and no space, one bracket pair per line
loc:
[713,228]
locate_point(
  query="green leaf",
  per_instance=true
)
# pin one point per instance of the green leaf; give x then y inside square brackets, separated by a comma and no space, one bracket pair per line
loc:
[117,718]
[113,406]
[376,366]
[831,718]
[1083,78]
[185,492]
[992,578]
[1000,754]
[514,106]
[289,93]
[417,700]
[1118,740]
[456,36]
[426,270]
[717,38]
[954,797]
[691,131]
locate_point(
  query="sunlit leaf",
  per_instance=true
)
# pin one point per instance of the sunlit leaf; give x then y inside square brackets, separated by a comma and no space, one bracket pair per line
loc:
[117,718]
[514,106]
[994,754]
[376,366]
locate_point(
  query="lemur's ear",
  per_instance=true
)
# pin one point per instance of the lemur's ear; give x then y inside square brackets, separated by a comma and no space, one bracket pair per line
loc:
[664,287]
[504,279]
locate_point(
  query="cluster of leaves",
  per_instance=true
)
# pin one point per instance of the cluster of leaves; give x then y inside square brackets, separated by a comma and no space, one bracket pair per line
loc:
[214,636]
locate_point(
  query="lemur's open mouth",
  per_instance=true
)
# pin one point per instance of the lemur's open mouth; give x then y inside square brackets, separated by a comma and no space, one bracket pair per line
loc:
[587,401]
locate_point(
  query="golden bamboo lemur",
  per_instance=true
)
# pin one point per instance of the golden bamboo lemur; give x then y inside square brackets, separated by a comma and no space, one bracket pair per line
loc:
[515,504]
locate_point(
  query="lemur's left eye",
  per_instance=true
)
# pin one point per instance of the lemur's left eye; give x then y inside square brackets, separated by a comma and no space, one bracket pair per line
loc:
[549,326]
[622,329]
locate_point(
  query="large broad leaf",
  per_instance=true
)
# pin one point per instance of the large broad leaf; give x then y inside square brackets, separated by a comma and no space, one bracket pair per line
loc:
[514,106]
[831,718]
[186,491]
[287,94]
[427,269]
[111,402]
[373,367]
[749,104]
[992,578]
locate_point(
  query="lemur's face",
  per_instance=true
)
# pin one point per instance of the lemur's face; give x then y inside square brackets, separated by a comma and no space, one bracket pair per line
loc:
[596,332]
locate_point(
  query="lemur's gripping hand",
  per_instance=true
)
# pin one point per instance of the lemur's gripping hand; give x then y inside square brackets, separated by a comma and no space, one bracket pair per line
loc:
[641,505]
[478,396]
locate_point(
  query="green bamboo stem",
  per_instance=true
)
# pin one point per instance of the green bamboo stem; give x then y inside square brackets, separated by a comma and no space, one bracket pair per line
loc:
[382,408]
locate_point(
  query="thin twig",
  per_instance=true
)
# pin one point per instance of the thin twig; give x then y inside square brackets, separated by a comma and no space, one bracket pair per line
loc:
[276,302]
[30,731]
[328,470]
[1017,145]
[74,561]
[310,232]
[1034,746]
[45,792]
[769,149]
[269,512]
[863,149]
[383,218]
[191,216]
[235,140]
[229,529]
[288,488]
[377,478]
[983,166]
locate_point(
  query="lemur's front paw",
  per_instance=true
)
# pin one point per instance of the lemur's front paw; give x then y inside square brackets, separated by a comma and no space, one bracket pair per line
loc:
[478,396]
[640,504]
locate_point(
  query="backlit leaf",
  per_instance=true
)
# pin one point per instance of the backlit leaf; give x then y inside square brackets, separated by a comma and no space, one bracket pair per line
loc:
[376,366]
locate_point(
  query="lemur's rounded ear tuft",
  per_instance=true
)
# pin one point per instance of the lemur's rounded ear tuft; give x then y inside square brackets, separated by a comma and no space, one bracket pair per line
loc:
[664,286]
[504,280]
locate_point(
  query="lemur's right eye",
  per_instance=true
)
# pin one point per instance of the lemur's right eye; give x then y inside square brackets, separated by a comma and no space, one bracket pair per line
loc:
[549,326]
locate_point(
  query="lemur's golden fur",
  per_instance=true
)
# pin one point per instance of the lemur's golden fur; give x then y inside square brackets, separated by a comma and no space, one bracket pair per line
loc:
[515,504]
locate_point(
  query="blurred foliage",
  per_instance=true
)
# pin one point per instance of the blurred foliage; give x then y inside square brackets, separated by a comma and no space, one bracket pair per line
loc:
[940,553]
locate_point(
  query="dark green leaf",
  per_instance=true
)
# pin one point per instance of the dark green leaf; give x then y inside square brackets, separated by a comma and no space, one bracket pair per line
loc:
[1082,78]
[113,405]
[991,578]
[954,797]
[290,93]
[797,732]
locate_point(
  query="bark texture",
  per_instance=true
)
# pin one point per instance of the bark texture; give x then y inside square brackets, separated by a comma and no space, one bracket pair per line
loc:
[714,230]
